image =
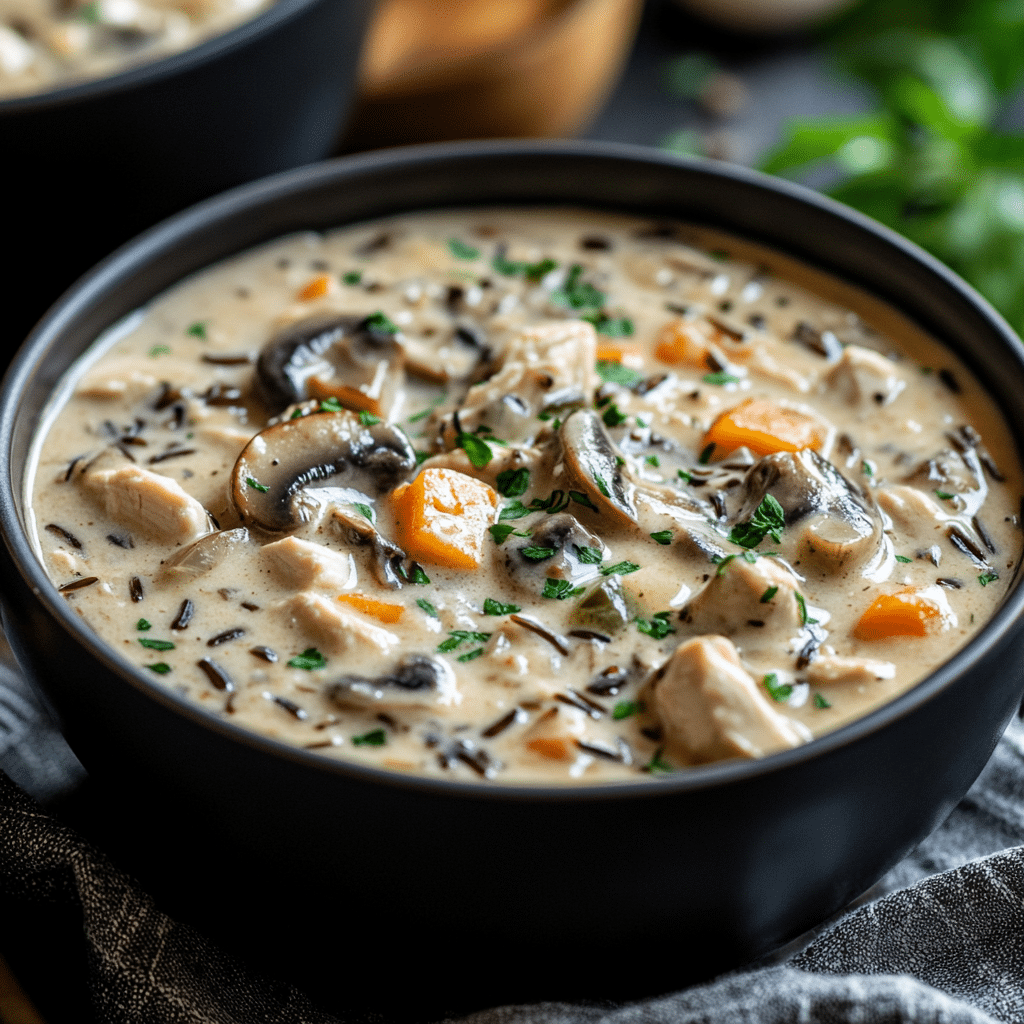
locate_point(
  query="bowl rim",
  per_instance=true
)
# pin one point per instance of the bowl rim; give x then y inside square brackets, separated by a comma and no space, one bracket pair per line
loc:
[161,68]
[173,232]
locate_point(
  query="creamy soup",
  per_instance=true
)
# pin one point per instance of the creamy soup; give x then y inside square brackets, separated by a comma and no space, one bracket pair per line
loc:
[45,44]
[526,495]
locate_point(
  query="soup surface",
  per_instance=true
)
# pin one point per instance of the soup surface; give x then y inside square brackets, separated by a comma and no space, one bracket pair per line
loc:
[526,496]
[45,44]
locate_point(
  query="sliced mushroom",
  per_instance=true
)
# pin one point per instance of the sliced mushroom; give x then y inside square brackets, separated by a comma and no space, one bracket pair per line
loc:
[417,681]
[290,472]
[342,357]
[956,474]
[605,608]
[569,544]
[594,463]
[202,555]
[837,526]
[355,529]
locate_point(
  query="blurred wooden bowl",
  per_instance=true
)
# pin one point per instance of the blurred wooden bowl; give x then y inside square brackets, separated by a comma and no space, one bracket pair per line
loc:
[458,69]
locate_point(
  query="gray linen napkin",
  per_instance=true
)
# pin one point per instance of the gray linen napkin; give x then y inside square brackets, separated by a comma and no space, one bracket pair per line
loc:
[942,939]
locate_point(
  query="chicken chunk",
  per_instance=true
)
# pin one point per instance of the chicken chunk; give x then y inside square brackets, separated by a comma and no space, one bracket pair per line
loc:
[303,565]
[711,708]
[865,379]
[338,630]
[147,503]
[833,668]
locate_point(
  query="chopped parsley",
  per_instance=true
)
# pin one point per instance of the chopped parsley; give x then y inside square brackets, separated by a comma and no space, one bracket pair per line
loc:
[421,457]
[160,668]
[988,577]
[513,510]
[601,485]
[619,569]
[613,372]
[768,519]
[478,450]
[424,413]
[651,460]
[427,607]
[582,499]
[658,627]
[559,590]
[611,326]
[513,482]
[470,655]
[556,501]
[662,536]
[780,692]
[310,659]
[352,277]
[768,595]
[537,554]
[330,405]
[903,558]
[368,419]
[612,416]
[577,293]
[944,495]
[626,708]
[804,619]
[657,763]
[379,323]
[197,330]
[867,469]
[156,645]
[363,510]
[515,268]
[705,456]
[502,531]
[143,625]
[684,476]
[376,738]
[588,556]
[160,350]
[492,607]
[418,575]
[461,251]
[820,702]
[256,485]
[457,637]
[720,378]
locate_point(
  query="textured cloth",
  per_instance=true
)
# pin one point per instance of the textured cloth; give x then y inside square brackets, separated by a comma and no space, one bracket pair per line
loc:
[941,941]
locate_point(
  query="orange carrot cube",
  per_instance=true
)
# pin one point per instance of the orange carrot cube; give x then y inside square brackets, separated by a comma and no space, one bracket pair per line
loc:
[765,427]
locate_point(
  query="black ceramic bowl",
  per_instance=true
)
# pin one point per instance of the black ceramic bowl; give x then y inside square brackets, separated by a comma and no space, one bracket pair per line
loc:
[88,166]
[470,893]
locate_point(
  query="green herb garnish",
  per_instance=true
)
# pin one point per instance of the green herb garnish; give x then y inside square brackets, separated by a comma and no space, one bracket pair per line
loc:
[514,268]
[768,519]
[330,404]
[988,577]
[379,323]
[613,417]
[802,604]
[513,482]
[720,378]
[651,460]
[457,637]
[363,510]
[903,558]
[478,450]
[556,501]
[776,690]
[705,456]
[143,624]
[160,668]
[513,510]
[417,576]
[768,595]
[471,655]
[352,277]
[657,763]
[537,554]
[310,659]
[376,738]
[256,485]
[662,536]
[611,326]
[588,556]
[684,476]
[156,645]
[368,419]
[427,607]
[945,495]
[613,372]
[619,569]
[626,709]
[657,627]
[160,350]
[492,607]
[820,702]
[461,251]
[582,499]
[577,293]
[197,330]
[559,590]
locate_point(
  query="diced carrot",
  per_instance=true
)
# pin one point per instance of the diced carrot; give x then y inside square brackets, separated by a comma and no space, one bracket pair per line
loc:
[680,341]
[317,288]
[554,747]
[905,613]
[348,396]
[764,427]
[628,355]
[370,606]
[442,518]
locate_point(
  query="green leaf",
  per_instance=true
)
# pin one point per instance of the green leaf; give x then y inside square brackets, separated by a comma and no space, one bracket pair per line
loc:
[768,595]
[619,569]
[161,668]
[160,350]
[256,485]
[768,519]
[626,709]
[471,655]
[418,575]
[588,556]
[537,554]
[612,417]
[559,590]
[513,510]
[364,510]
[582,499]
[376,738]
[492,607]
[330,405]
[802,603]
[310,659]
[903,558]
[500,532]
[352,277]
[457,637]
[577,293]
[720,378]
[705,455]
[461,251]
[379,323]
[424,413]
[611,326]
[513,268]
[427,607]
[368,419]
[685,76]
[820,702]
[988,577]
[684,476]
[156,645]
[944,495]
[662,536]
[657,763]
[658,627]
[780,692]
[613,372]
[513,482]
[143,624]
[198,329]
[478,450]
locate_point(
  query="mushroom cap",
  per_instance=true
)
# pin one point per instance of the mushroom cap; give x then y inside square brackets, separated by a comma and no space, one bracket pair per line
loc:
[328,451]
[344,356]
[593,461]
